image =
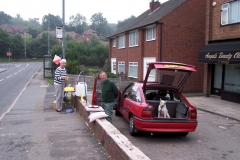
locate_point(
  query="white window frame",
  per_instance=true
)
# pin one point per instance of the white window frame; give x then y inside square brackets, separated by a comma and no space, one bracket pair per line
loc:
[224,10]
[114,42]
[133,36]
[123,40]
[121,64]
[153,33]
[132,64]
[228,11]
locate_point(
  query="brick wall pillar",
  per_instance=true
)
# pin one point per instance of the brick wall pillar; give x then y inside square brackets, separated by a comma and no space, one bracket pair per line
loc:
[207,79]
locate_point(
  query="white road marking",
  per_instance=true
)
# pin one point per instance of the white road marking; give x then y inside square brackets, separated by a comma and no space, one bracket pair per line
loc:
[9,109]
[15,73]
[1,80]
[9,76]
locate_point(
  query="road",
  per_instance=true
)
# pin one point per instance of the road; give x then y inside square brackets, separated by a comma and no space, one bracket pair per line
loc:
[215,138]
[13,80]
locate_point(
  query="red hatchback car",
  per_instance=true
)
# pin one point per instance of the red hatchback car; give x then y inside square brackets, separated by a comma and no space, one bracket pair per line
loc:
[139,101]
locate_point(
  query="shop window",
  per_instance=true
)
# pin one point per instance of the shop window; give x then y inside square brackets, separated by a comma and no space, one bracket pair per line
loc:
[232,78]
[151,34]
[230,12]
[121,67]
[121,42]
[133,39]
[133,69]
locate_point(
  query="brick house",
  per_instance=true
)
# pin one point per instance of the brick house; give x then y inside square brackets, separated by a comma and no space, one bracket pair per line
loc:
[221,54]
[87,35]
[173,31]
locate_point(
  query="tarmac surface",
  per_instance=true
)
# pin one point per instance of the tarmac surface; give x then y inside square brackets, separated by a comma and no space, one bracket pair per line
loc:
[33,130]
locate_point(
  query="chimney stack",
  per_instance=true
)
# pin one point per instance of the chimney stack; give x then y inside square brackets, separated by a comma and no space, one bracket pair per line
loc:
[154,5]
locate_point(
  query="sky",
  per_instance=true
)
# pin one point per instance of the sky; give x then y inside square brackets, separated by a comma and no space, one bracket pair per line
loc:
[113,10]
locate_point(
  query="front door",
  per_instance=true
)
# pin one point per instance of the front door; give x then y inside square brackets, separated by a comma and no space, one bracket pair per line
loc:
[217,79]
[146,61]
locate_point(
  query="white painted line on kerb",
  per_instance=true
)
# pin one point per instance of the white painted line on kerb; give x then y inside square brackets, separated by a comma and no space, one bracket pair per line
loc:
[15,101]
[9,76]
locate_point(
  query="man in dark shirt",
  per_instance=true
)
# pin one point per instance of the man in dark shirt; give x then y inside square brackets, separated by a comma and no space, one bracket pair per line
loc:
[109,94]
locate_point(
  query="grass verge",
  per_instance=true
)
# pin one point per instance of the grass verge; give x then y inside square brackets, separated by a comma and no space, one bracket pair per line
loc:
[50,81]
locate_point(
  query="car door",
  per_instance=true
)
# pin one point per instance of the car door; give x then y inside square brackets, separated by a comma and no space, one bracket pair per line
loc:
[133,100]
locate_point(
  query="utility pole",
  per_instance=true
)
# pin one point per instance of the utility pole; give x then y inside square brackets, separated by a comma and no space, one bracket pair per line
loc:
[25,44]
[48,37]
[63,29]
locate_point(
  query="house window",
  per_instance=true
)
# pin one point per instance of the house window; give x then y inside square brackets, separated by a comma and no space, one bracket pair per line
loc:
[133,69]
[114,42]
[133,39]
[113,65]
[121,41]
[151,34]
[121,67]
[230,12]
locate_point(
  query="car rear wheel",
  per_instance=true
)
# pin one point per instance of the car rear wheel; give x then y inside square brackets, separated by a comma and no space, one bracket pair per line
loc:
[132,129]
[117,113]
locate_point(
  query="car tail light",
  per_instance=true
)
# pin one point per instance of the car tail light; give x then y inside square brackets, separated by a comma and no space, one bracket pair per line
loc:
[193,114]
[146,112]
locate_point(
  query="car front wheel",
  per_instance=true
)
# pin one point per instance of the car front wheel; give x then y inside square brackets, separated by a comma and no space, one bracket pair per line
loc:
[132,129]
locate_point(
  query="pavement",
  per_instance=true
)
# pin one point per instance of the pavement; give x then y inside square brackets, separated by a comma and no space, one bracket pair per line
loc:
[2,69]
[33,130]
[216,106]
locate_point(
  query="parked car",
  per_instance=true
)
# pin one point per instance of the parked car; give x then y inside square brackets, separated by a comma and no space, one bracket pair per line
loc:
[139,101]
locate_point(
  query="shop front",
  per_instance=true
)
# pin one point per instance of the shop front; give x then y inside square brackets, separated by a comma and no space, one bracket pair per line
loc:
[223,58]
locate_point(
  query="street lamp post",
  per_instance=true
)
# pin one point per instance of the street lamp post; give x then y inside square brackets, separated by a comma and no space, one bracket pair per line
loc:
[25,45]
[48,37]
[63,29]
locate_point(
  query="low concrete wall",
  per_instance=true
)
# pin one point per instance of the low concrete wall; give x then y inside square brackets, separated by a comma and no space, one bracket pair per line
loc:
[116,144]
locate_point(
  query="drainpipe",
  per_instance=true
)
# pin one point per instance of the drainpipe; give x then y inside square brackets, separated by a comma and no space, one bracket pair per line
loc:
[160,43]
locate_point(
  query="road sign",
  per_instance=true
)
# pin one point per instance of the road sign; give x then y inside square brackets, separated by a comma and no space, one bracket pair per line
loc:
[9,53]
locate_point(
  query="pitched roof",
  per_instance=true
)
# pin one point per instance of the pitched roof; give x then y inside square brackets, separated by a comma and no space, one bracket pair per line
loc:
[13,28]
[148,18]
[89,31]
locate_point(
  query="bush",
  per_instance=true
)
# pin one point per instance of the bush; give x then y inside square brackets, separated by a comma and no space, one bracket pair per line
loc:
[72,67]
[93,70]
[111,75]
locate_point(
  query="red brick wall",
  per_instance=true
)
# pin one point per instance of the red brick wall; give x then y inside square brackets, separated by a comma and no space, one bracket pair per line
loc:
[214,31]
[184,37]
[218,32]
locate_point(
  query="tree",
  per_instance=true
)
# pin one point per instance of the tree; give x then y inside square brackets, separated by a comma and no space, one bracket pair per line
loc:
[125,21]
[17,46]
[77,23]
[54,21]
[4,42]
[99,23]
[4,18]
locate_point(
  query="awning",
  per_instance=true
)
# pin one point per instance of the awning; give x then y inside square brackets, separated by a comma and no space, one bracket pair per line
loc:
[221,52]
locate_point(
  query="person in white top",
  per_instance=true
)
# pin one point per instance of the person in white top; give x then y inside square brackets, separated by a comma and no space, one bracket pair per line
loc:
[60,80]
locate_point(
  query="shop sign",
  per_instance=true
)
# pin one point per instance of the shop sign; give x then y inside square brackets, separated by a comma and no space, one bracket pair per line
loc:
[222,57]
